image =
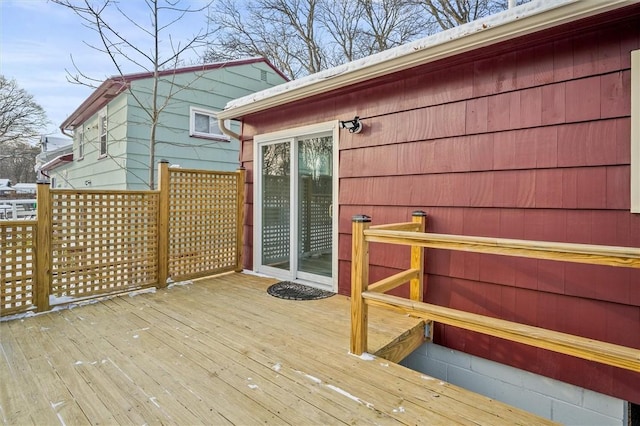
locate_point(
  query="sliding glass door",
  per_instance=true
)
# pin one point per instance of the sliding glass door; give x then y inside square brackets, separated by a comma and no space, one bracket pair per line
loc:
[314,205]
[295,190]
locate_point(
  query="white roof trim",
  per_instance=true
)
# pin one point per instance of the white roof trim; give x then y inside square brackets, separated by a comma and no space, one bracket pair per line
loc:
[518,21]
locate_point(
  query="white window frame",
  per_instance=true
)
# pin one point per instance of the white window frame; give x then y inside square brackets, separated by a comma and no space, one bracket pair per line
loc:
[635,131]
[103,133]
[291,135]
[206,135]
[81,143]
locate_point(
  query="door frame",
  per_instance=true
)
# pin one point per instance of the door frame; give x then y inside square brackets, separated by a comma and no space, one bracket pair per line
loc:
[291,135]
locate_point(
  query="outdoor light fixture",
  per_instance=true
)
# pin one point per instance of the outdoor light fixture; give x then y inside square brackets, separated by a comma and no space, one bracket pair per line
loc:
[354,126]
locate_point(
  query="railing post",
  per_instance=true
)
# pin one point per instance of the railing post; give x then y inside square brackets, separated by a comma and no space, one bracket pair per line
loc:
[359,283]
[416,291]
[43,247]
[240,219]
[163,223]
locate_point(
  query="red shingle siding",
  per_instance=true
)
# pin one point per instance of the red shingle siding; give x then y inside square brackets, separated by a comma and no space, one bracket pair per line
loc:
[530,139]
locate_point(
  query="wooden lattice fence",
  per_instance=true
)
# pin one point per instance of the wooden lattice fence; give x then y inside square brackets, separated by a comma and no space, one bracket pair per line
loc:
[17,265]
[89,243]
[205,222]
[102,242]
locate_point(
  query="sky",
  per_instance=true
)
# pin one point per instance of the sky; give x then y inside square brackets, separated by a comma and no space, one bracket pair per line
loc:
[39,38]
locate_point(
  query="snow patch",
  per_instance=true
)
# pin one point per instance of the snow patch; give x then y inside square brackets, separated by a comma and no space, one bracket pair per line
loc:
[60,419]
[336,389]
[251,386]
[154,401]
[58,300]
[78,363]
[310,377]
[365,356]
[276,367]
[400,409]
[55,405]
[255,274]
[384,364]
[136,336]
[150,290]
[179,283]
[21,316]
[350,396]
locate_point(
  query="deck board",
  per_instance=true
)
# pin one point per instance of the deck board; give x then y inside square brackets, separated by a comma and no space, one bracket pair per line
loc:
[220,351]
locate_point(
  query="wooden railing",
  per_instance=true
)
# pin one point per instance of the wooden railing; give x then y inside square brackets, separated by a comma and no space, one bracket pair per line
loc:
[91,243]
[364,294]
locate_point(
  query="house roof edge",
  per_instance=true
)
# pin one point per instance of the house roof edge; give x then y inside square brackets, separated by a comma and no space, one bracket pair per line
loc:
[509,24]
[56,162]
[115,85]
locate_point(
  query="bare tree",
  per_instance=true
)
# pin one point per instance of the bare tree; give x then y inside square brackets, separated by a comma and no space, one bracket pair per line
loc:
[151,49]
[342,19]
[303,37]
[391,23]
[284,31]
[17,161]
[451,13]
[21,118]
[306,36]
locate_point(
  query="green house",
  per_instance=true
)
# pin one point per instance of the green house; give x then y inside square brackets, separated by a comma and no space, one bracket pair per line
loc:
[112,128]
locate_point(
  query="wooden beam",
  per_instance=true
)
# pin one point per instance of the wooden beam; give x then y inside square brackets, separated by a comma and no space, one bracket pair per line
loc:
[402,226]
[359,283]
[163,223]
[43,251]
[593,350]
[403,345]
[567,252]
[240,219]
[394,281]
[416,287]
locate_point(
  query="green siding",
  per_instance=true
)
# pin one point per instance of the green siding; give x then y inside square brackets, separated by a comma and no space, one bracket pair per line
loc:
[126,165]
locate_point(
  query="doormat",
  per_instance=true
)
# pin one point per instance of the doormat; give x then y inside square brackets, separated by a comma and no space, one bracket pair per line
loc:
[294,291]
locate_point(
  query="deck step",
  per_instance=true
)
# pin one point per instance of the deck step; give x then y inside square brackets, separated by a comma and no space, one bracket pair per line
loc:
[403,345]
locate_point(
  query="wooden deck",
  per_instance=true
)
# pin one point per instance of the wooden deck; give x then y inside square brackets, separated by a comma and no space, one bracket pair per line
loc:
[220,351]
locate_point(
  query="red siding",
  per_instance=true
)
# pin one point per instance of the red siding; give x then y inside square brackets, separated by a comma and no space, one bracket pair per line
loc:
[530,139]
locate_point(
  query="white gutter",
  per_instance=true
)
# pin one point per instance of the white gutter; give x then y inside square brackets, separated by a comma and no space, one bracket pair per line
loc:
[226,131]
[519,21]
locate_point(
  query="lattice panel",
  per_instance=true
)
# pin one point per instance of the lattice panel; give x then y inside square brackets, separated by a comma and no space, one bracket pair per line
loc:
[102,242]
[203,222]
[275,219]
[17,266]
[316,224]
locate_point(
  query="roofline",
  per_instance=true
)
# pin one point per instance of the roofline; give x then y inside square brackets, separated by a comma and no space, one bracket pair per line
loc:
[519,21]
[56,162]
[202,67]
[115,85]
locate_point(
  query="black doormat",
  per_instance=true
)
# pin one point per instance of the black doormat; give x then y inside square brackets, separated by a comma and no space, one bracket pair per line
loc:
[294,291]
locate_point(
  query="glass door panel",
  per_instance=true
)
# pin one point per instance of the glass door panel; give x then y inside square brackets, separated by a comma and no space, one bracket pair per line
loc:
[314,205]
[276,205]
